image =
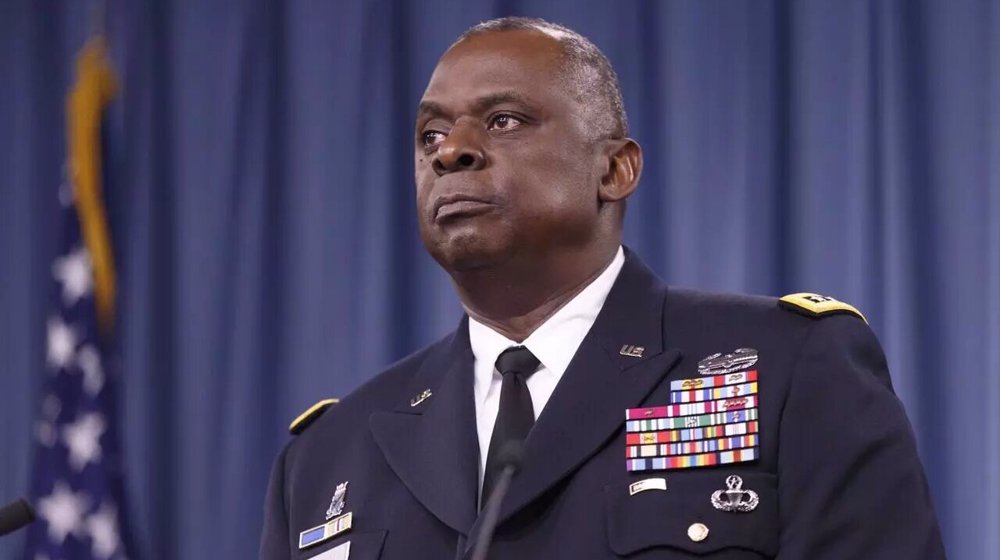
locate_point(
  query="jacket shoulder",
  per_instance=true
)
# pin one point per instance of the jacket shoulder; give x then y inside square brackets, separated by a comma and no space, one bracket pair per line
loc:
[791,308]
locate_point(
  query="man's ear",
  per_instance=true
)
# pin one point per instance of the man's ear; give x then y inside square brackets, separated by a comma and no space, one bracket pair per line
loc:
[624,165]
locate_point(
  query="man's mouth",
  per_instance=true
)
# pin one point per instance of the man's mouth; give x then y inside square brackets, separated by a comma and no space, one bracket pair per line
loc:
[454,207]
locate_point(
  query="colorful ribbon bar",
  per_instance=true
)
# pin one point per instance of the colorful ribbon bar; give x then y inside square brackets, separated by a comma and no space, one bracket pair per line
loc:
[727,392]
[687,461]
[713,381]
[327,531]
[691,409]
[691,447]
[659,424]
[692,434]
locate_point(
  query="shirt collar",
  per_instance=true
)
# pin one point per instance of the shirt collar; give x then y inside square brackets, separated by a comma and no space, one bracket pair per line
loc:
[556,340]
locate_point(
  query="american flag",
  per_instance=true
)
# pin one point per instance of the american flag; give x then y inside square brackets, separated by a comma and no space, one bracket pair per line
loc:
[77,477]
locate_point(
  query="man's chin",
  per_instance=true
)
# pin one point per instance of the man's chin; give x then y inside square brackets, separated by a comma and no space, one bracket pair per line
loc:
[469,253]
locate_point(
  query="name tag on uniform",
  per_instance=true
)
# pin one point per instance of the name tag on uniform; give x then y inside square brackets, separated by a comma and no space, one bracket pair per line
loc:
[648,484]
[339,552]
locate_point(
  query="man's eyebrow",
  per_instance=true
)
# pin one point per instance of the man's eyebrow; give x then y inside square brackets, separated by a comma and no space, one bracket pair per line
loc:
[434,109]
[431,109]
[494,99]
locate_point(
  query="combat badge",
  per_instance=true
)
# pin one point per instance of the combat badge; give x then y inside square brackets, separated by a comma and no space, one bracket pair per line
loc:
[734,497]
[719,364]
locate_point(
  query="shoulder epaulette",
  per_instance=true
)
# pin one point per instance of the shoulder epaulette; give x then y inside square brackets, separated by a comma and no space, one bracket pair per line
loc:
[311,414]
[816,305]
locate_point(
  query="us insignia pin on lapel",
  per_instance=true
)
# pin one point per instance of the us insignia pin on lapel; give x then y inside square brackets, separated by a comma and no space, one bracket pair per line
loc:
[632,351]
[337,522]
[734,497]
[719,364]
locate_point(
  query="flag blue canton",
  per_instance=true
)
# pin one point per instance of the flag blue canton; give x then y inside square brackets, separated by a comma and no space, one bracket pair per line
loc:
[77,478]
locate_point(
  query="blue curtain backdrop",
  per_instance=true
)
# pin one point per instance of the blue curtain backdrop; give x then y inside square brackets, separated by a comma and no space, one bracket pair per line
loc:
[262,201]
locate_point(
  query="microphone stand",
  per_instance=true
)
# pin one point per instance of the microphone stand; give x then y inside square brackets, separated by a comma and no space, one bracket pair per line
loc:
[510,457]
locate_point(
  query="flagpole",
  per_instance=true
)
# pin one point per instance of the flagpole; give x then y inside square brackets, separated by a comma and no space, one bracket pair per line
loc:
[96,22]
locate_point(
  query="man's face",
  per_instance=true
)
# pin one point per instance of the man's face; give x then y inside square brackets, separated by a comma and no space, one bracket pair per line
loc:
[506,166]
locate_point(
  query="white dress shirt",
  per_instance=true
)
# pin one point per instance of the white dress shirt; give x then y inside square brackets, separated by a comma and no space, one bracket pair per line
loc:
[554,343]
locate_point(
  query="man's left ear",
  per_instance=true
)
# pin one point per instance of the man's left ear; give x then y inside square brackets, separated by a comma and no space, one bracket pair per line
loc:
[624,165]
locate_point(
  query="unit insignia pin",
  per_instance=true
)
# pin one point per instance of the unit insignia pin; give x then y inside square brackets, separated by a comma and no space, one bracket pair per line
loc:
[719,364]
[632,351]
[421,397]
[734,497]
[337,502]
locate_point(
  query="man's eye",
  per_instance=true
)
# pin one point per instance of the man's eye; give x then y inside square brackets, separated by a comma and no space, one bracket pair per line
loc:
[504,122]
[432,138]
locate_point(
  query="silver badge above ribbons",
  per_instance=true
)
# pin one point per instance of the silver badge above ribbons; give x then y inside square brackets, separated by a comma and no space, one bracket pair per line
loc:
[720,364]
[734,497]
[337,503]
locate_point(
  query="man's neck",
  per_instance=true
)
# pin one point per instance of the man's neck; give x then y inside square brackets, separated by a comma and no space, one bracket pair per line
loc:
[514,301]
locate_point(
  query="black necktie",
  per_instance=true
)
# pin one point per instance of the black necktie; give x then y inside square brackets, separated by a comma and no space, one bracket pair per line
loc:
[516,416]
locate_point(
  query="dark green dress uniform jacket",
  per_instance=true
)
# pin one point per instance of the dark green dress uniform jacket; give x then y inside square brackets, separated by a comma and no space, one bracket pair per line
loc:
[837,475]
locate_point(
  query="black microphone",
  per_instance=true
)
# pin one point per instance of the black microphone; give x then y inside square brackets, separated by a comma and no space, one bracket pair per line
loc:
[15,515]
[510,457]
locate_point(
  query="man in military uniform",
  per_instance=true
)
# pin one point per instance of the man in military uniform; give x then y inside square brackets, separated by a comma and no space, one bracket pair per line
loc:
[651,422]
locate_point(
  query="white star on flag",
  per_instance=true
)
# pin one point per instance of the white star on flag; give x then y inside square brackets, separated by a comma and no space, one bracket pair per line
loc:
[63,511]
[102,526]
[75,273]
[89,361]
[82,439]
[62,343]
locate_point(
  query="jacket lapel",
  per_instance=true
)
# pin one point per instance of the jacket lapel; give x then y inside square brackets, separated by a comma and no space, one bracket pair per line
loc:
[603,379]
[432,446]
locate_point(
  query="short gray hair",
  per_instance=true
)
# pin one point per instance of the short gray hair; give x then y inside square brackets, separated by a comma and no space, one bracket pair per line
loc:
[589,70]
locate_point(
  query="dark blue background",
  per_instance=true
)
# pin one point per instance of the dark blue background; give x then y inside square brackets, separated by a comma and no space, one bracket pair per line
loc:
[262,200]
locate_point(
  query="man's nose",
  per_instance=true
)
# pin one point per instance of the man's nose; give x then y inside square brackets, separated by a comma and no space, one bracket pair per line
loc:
[462,150]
